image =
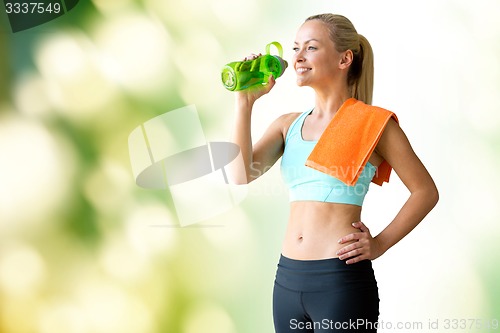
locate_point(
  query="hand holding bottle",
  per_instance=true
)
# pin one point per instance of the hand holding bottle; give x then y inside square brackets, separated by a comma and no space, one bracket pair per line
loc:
[255,70]
[250,95]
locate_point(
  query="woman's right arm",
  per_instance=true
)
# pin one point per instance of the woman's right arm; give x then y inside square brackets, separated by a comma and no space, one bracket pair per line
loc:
[258,158]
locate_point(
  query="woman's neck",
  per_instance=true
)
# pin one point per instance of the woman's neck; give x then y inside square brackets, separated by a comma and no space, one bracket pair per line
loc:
[328,103]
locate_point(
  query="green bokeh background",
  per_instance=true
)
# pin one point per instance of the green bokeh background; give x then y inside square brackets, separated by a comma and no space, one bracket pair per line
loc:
[83,249]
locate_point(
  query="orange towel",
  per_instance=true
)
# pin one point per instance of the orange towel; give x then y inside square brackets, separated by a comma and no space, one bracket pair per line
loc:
[348,141]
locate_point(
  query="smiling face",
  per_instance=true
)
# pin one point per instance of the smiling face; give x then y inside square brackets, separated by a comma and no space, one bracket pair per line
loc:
[316,61]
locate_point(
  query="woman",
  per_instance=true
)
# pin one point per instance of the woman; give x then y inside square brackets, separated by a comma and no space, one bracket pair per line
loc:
[325,281]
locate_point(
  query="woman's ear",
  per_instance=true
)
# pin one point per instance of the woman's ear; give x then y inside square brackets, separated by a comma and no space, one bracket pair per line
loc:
[346,59]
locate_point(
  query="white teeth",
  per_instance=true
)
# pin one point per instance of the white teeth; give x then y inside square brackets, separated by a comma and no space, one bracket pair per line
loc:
[302,69]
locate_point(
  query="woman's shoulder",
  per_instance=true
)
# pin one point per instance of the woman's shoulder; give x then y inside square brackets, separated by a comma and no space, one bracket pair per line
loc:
[288,117]
[286,120]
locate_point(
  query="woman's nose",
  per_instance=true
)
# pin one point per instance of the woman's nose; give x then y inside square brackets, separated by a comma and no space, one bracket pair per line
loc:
[299,56]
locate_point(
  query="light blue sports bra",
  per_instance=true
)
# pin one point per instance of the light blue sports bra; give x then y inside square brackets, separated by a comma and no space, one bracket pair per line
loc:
[307,184]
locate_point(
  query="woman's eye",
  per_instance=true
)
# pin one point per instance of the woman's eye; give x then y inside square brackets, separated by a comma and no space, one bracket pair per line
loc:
[311,48]
[295,49]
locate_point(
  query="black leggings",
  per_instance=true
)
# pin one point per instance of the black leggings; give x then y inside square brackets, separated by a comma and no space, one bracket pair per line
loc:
[325,295]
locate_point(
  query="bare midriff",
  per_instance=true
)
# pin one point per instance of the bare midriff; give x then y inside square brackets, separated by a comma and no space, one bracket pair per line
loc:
[314,229]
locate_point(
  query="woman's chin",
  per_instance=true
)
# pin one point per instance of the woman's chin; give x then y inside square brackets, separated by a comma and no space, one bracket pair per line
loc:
[301,83]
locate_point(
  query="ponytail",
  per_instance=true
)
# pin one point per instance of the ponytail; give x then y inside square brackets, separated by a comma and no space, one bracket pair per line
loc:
[362,88]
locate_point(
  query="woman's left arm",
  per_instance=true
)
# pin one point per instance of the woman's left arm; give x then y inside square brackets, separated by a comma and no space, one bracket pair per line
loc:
[395,148]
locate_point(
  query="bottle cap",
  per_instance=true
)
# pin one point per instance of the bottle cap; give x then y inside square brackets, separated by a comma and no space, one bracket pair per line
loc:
[283,62]
[283,65]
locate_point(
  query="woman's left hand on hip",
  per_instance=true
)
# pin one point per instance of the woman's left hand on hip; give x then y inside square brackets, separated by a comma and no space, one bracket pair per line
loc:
[364,247]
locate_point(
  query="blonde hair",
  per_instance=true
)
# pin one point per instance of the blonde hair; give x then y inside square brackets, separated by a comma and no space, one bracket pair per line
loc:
[345,37]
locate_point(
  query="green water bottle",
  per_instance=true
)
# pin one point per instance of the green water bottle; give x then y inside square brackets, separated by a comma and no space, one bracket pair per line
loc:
[240,75]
